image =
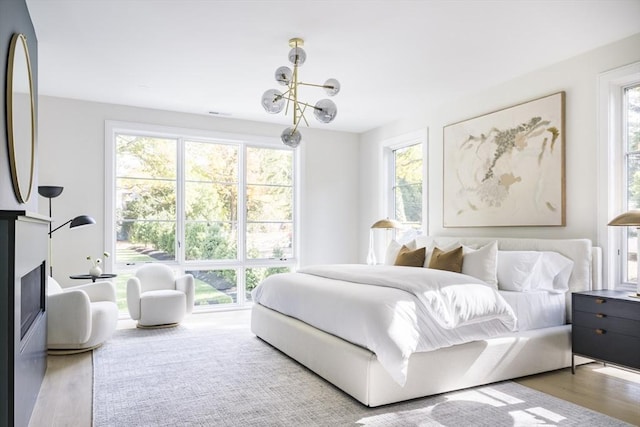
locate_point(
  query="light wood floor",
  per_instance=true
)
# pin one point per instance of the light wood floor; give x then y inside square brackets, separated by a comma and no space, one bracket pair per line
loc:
[65,397]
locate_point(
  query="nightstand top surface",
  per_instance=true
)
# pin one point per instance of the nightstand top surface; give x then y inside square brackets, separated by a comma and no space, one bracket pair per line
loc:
[608,293]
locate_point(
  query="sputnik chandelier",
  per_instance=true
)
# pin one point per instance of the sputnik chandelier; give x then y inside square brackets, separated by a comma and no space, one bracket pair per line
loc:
[275,101]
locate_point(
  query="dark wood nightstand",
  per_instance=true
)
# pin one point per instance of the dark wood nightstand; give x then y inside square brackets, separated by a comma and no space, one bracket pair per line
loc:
[606,327]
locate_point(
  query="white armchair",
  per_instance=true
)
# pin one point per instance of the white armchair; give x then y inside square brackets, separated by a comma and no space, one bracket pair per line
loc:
[156,298]
[80,318]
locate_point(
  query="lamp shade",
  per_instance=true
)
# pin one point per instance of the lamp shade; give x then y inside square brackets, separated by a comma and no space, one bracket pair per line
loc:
[630,218]
[50,191]
[81,220]
[76,222]
[386,223]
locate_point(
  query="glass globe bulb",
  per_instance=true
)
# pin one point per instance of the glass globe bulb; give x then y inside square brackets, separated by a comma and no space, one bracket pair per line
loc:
[297,56]
[283,75]
[291,138]
[325,110]
[272,101]
[332,87]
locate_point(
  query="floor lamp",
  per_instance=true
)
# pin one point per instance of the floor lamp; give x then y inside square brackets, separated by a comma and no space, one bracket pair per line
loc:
[387,224]
[50,192]
[631,219]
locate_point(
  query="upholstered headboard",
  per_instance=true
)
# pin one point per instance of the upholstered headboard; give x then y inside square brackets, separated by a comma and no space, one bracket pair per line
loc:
[587,259]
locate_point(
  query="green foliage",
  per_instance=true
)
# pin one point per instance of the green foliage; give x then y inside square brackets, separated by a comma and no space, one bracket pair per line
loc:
[408,184]
[204,241]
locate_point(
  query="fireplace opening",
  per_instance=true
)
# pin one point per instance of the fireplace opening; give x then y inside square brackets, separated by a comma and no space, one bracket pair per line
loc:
[32,297]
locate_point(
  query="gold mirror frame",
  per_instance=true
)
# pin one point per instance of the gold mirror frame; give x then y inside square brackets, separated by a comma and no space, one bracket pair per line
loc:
[20,117]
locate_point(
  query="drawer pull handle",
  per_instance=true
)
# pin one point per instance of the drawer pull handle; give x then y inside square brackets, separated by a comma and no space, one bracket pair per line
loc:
[600,331]
[600,315]
[600,301]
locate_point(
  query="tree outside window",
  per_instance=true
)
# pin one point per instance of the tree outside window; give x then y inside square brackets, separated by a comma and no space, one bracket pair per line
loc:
[407,185]
[178,201]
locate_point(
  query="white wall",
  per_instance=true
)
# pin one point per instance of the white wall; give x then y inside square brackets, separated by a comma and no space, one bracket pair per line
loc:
[577,76]
[71,154]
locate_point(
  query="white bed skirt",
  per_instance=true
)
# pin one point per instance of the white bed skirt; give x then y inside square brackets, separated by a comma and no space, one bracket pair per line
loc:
[357,372]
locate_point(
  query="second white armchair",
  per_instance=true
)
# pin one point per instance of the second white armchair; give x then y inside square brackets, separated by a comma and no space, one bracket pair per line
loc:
[157,298]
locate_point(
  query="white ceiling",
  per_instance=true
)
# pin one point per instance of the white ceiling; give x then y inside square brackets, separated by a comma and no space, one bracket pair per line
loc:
[392,58]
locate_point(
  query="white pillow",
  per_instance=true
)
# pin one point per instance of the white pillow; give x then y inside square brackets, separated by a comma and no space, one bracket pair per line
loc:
[524,271]
[516,269]
[481,263]
[553,273]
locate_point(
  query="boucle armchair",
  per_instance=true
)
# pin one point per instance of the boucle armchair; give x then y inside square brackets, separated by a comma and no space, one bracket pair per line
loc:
[80,318]
[157,298]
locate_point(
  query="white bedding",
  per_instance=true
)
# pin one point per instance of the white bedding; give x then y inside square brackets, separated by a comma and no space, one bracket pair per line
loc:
[538,309]
[392,311]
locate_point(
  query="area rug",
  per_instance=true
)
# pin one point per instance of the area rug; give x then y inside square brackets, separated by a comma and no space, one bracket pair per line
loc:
[198,375]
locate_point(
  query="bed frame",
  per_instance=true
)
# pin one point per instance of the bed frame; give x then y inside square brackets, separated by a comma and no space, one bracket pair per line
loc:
[356,370]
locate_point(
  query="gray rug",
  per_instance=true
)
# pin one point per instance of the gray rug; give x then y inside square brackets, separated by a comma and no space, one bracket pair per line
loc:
[200,376]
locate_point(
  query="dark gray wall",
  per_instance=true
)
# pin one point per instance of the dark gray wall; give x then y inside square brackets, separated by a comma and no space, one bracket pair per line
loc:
[14,18]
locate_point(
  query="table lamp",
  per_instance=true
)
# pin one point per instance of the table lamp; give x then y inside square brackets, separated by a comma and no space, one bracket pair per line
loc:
[631,219]
[384,224]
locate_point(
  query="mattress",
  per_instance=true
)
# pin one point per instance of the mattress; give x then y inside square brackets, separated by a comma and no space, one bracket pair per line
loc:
[535,310]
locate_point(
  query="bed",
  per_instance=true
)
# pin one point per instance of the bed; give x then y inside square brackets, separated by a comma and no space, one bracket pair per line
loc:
[539,342]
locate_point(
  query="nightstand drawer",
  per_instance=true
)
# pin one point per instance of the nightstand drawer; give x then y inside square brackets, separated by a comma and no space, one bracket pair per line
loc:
[609,306]
[604,322]
[609,346]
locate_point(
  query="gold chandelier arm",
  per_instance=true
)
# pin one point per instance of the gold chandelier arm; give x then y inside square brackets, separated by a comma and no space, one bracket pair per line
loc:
[294,92]
[302,113]
[286,108]
[301,103]
[295,126]
[315,85]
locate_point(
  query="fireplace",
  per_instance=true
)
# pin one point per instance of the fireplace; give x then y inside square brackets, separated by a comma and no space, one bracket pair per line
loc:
[32,298]
[23,335]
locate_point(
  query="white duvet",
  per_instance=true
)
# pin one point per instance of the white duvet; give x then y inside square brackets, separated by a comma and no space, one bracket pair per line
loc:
[392,311]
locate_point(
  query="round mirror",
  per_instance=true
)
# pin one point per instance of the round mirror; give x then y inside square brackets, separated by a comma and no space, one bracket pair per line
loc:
[20,117]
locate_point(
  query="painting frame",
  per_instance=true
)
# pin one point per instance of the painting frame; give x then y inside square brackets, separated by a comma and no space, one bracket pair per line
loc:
[506,168]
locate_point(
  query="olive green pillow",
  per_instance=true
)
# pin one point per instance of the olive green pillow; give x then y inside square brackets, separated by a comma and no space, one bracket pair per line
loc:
[408,258]
[450,261]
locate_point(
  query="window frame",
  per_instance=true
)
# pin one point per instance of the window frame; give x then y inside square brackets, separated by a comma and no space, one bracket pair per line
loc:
[180,264]
[389,148]
[612,169]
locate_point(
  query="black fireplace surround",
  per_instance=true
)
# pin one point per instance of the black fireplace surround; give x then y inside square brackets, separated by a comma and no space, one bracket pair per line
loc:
[23,341]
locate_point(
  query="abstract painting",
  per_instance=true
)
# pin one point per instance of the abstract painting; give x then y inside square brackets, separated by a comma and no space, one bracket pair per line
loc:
[506,168]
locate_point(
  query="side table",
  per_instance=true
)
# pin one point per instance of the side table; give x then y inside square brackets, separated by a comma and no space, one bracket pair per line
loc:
[606,327]
[93,278]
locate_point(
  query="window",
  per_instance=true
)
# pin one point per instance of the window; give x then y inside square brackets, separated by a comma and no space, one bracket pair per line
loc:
[406,186]
[618,172]
[631,148]
[219,208]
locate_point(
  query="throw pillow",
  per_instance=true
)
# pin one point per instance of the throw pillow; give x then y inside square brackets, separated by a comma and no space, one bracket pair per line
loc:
[408,258]
[450,261]
[394,249]
[482,263]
